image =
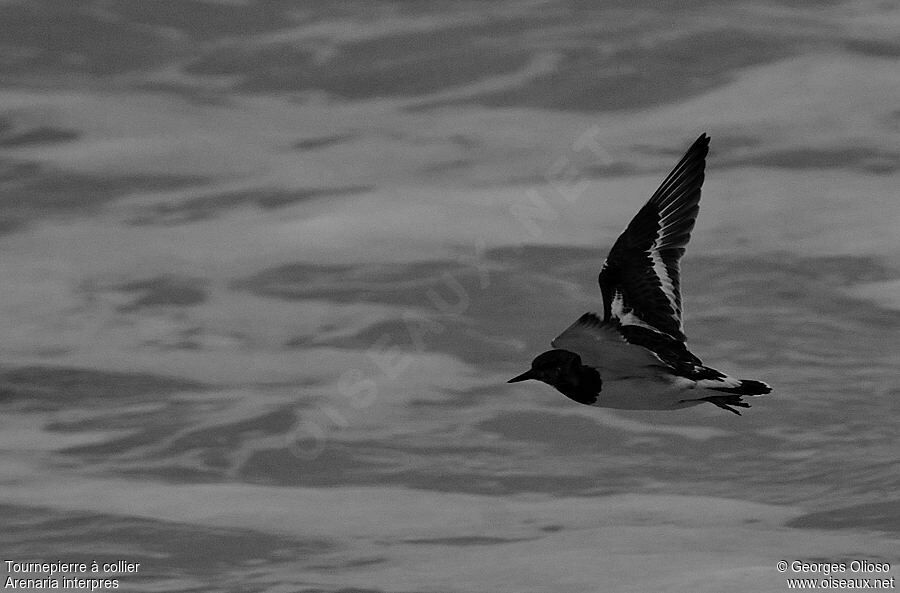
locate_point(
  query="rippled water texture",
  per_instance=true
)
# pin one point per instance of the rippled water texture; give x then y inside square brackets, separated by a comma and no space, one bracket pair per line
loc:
[268,264]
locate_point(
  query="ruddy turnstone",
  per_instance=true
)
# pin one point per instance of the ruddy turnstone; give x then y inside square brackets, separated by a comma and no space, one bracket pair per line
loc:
[635,358]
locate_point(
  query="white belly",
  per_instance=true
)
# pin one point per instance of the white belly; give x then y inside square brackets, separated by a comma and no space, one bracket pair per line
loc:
[642,393]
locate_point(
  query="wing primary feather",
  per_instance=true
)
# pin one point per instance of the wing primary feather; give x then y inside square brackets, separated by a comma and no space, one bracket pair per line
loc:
[694,155]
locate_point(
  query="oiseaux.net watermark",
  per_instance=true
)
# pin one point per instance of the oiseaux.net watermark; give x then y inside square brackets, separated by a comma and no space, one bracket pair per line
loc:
[843,575]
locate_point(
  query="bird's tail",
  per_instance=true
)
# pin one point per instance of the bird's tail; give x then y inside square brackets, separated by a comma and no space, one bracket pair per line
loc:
[744,387]
[735,390]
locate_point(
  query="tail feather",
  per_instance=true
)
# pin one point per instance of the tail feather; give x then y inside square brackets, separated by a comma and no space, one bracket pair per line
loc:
[745,387]
[735,388]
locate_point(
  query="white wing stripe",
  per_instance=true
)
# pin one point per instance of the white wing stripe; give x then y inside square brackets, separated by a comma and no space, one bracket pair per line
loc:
[659,268]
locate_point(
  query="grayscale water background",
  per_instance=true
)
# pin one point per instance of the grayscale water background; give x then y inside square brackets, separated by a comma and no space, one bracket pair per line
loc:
[267,266]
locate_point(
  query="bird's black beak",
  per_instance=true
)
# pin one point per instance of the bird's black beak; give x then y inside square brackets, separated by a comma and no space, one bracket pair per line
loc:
[529,374]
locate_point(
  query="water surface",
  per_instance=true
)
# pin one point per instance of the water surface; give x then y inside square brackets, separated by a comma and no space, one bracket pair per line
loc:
[268,265]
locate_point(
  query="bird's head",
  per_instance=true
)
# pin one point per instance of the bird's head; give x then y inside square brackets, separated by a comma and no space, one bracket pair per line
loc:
[550,367]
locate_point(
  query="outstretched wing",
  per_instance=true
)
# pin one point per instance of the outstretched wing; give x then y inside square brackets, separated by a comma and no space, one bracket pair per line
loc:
[627,350]
[640,277]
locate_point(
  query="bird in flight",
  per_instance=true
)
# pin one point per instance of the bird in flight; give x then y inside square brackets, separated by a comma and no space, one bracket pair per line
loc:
[635,357]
